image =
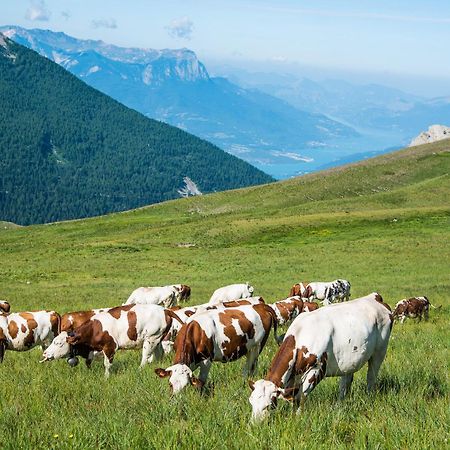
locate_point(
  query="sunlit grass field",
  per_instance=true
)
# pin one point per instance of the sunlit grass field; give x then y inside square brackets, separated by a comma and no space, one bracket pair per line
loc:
[383,224]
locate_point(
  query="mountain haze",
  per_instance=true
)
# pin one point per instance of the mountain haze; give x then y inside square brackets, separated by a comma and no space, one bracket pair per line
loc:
[69,151]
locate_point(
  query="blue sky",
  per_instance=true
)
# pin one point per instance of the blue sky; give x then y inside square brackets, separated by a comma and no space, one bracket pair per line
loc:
[380,39]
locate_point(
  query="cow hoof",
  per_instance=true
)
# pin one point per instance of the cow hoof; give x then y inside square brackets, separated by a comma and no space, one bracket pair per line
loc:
[72,361]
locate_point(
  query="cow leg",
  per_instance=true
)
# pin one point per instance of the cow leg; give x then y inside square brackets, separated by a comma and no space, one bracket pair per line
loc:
[373,369]
[150,345]
[107,361]
[344,385]
[426,313]
[89,359]
[252,362]
[205,367]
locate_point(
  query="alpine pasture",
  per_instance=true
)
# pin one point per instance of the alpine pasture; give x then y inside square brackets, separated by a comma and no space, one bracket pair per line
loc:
[383,224]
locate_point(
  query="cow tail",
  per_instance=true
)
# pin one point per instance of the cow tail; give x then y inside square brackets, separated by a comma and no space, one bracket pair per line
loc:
[56,329]
[272,313]
[172,315]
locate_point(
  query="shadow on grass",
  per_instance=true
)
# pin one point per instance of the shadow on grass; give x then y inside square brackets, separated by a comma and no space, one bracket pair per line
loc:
[428,385]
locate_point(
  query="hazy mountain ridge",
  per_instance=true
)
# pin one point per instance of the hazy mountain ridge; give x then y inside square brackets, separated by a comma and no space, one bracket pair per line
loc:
[174,86]
[69,151]
[370,106]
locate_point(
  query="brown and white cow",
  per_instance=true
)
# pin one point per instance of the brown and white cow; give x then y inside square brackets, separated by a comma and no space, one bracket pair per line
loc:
[412,308]
[5,306]
[333,341]
[25,330]
[73,319]
[298,289]
[288,309]
[122,327]
[224,335]
[184,291]
[185,313]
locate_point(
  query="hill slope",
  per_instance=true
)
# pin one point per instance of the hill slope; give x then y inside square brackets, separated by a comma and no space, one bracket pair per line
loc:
[384,224]
[69,151]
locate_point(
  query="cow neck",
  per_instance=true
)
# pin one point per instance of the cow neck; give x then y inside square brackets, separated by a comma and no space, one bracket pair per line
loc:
[282,363]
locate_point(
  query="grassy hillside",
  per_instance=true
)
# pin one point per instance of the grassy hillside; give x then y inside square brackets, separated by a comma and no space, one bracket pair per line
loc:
[384,224]
[69,151]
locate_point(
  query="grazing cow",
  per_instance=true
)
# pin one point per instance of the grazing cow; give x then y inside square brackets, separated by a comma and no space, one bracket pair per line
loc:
[25,330]
[185,313]
[333,341]
[184,291]
[224,335]
[122,327]
[298,289]
[328,292]
[288,309]
[231,292]
[166,296]
[411,308]
[5,306]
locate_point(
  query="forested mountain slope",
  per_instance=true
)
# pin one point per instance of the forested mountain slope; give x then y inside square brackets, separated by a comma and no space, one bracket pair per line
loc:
[69,151]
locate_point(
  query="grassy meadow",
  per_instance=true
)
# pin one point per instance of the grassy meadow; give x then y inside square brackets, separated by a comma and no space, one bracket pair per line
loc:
[383,224]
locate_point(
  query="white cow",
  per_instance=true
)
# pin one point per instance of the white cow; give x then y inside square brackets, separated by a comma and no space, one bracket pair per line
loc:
[330,342]
[166,296]
[231,292]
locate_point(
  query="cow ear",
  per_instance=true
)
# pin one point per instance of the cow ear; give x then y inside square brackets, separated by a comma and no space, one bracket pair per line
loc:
[251,384]
[197,383]
[163,373]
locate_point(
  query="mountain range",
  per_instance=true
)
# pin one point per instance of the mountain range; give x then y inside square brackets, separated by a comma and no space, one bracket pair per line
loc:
[365,107]
[174,86]
[69,151]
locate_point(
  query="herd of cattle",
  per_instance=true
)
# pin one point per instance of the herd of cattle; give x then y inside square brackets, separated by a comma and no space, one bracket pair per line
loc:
[335,340]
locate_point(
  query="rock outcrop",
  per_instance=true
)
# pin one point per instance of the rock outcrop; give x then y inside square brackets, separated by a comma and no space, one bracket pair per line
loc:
[433,134]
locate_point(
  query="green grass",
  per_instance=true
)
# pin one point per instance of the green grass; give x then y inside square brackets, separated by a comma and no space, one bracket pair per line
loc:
[384,224]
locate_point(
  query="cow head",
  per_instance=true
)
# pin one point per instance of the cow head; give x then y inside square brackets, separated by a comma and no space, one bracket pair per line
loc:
[264,397]
[59,348]
[179,377]
[250,288]
[5,306]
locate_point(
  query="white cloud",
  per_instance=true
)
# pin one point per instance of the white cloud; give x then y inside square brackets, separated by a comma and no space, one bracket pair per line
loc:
[38,11]
[104,23]
[66,15]
[181,28]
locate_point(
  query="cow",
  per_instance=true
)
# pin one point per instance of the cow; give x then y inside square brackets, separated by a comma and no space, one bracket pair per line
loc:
[184,292]
[224,335]
[309,306]
[333,341]
[288,309]
[298,289]
[166,296]
[328,292]
[185,313]
[72,320]
[412,308]
[231,292]
[24,330]
[5,306]
[122,327]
